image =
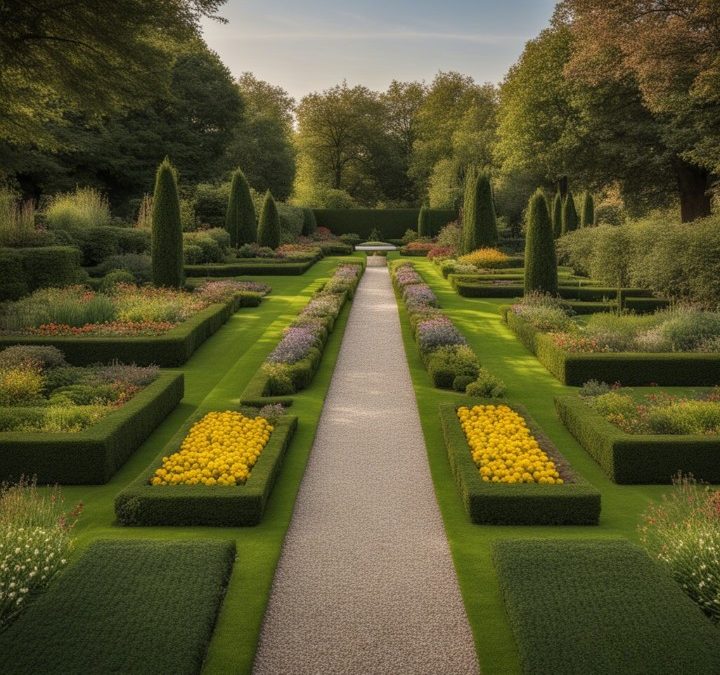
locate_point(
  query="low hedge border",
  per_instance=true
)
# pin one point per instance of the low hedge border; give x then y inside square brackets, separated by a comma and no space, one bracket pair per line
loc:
[93,455]
[634,458]
[125,606]
[219,506]
[599,606]
[240,269]
[629,368]
[572,503]
[171,349]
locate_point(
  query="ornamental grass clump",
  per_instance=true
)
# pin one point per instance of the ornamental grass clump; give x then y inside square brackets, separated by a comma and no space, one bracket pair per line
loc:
[78,210]
[683,534]
[35,542]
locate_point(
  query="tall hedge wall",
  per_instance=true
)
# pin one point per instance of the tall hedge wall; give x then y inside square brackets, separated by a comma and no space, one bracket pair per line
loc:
[23,270]
[392,223]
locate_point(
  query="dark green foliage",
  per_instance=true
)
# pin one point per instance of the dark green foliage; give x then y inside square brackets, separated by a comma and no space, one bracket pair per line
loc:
[634,458]
[461,382]
[99,243]
[392,222]
[168,350]
[587,216]
[167,254]
[557,211]
[309,222]
[479,221]
[599,606]
[576,503]
[13,284]
[240,220]
[446,364]
[135,606]
[423,224]
[260,268]
[569,214]
[111,279]
[540,261]
[24,270]
[268,233]
[232,506]
[93,455]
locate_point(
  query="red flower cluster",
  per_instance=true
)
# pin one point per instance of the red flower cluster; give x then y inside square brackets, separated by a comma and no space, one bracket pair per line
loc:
[441,252]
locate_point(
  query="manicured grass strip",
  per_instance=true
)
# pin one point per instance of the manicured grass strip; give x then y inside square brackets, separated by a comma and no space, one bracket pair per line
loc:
[96,453]
[124,607]
[576,502]
[600,607]
[639,458]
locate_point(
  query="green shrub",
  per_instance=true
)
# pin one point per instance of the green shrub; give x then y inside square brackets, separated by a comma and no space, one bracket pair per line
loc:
[210,202]
[479,220]
[42,357]
[557,213]
[446,363]
[17,222]
[240,220]
[486,385]
[193,254]
[78,210]
[13,284]
[461,382]
[269,225]
[291,222]
[167,240]
[540,262]
[111,279]
[569,214]
[99,243]
[423,224]
[309,222]
[140,266]
[587,217]
[392,222]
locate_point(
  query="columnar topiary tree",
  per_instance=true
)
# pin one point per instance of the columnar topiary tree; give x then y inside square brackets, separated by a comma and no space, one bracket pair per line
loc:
[240,219]
[587,216]
[540,258]
[268,233]
[167,240]
[423,226]
[557,212]
[479,221]
[569,214]
[309,222]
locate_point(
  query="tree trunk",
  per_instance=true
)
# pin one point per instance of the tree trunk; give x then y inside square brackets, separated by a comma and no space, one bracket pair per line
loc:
[693,183]
[562,186]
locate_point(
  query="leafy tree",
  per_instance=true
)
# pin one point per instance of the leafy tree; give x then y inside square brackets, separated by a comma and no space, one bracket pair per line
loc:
[240,221]
[540,258]
[587,216]
[569,214]
[479,222]
[268,233]
[167,242]
[557,214]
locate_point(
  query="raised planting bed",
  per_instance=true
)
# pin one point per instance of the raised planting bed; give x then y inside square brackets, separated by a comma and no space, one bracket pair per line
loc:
[221,505]
[126,606]
[629,368]
[639,458]
[572,502]
[600,606]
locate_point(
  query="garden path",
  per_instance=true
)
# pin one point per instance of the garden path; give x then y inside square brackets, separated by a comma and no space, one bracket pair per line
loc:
[366,583]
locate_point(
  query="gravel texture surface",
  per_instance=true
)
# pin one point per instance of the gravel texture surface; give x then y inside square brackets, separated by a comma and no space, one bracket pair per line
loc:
[366,583]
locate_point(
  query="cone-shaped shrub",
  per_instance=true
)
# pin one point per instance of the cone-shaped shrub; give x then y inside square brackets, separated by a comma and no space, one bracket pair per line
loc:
[587,217]
[309,222]
[540,260]
[557,215]
[569,214]
[479,223]
[423,226]
[268,233]
[240,220]
[167,241]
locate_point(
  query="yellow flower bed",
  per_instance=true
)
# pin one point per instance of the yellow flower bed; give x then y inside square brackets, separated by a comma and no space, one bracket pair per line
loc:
[503,448]
[220,449]
[484,257]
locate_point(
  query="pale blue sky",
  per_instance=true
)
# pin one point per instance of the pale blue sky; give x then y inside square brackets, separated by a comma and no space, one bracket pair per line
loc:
[311,45]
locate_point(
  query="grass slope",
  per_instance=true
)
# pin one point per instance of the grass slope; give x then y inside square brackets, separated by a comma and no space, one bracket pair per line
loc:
[215,376]
[531,385]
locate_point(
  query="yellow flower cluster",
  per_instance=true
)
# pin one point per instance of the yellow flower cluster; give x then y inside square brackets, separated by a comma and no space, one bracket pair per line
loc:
[220,449]
[503,448]
[484,257]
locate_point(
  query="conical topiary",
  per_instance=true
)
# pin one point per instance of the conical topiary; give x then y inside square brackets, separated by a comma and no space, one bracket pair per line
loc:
[309,222]
[540,258]
[569,214]
[423,226]
[479,223]
[268,233]
[240,219]
[167,240]
[557,215]
[587,217]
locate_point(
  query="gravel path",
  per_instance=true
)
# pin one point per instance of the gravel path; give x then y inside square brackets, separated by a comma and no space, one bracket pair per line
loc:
[365,583]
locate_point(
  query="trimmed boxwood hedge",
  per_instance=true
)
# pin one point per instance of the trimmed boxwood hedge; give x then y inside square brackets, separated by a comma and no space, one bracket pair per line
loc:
[599,606]
[26,269]
[93,455]
[222,506]
[634,458]
[576,503]
[259,267]
[170,349]
[125,606]
[629,368]
[392,223]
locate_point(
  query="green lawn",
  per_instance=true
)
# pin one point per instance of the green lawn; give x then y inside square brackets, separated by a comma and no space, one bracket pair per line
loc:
[215,376]
[530,384]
